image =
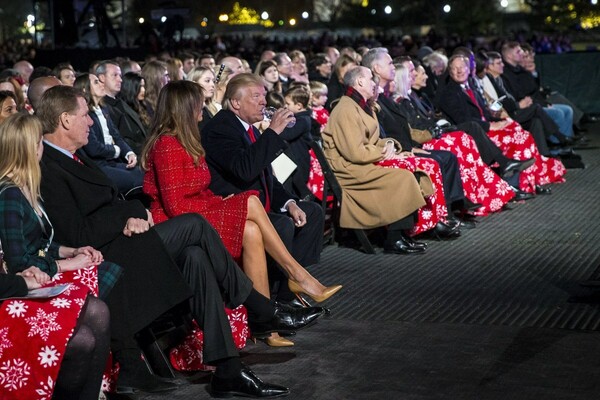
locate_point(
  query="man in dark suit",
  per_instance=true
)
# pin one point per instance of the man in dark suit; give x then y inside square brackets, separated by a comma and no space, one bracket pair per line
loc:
[527,113]
[111,153]
[240,158]
[284,67]
[83,204]
[461,103]
[125,119]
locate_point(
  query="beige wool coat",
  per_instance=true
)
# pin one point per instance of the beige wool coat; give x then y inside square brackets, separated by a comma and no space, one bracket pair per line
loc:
[373,196]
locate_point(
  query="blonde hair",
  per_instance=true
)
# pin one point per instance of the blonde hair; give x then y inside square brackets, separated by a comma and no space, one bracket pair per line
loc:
[318,88]
[176,115]
[237,84]
[195,75]
[20,135]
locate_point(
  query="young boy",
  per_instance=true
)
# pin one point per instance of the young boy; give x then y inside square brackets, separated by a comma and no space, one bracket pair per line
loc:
[299,138]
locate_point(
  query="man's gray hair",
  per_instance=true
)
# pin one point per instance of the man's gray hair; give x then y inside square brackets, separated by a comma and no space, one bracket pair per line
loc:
[101,68]
[352,76]
[372,56]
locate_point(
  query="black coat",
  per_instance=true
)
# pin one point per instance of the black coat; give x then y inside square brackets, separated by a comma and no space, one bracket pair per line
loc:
[83,205]
[521,83]
[236,164]
[459,107]
[12,286]
[394,122]
[128,123]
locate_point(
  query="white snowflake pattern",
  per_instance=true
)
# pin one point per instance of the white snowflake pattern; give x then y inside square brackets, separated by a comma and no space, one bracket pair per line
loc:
[48,356]
[4,342]
[80,302]
[558,169]
[46,389]
[61,303]
[16,308]
[482,193]
[42,324]
[426,214]
[14,374]
[496,204]
[502,188]
[87,277]
[520,137]
[527,154]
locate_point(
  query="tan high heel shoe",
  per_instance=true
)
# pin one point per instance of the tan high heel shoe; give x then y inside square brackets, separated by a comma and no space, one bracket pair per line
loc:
[327,293]
[278,341]
[275,341]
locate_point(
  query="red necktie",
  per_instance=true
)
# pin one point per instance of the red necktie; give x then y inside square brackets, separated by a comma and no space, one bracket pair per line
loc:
[263,177]
[251,134]
[470,93]
[77,159]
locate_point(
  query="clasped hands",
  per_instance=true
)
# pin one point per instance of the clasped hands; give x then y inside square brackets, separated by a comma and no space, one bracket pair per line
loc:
[389,152]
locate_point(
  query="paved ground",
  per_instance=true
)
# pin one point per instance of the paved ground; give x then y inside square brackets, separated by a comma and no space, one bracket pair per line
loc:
[496,314]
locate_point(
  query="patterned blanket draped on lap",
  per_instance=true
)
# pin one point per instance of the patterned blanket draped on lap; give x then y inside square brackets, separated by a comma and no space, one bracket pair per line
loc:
[516,143]
[435,209]
[428,216]
[187,356]
[480,184]
[34,336]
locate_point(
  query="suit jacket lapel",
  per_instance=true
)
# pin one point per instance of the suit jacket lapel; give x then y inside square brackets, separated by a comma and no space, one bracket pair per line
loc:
[88,172]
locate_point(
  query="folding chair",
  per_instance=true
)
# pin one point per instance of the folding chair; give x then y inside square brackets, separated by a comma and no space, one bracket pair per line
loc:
[331,185]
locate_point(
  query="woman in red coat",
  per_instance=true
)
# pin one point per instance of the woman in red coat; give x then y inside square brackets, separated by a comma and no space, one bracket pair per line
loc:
[177,179]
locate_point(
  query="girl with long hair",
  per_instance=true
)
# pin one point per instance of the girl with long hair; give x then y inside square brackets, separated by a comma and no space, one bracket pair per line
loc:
[80,333]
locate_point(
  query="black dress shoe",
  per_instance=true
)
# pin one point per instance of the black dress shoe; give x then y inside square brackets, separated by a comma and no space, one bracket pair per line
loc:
[403,246]
[294,303]
[286,320]
[542,190]
[521,195]
[461,223]
[470,206]
[444,231]
[245,384]
[515,166]
[413,243]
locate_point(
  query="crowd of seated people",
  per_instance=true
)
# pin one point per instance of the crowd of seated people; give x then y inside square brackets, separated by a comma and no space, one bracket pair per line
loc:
[419,145]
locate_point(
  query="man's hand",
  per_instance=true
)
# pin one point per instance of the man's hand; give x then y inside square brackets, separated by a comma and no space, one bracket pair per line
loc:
[131,161]
[280,119]
[34,277]
[297,214]
[135,226]
[420,151]
[525,102]
[496,126]
[149,218]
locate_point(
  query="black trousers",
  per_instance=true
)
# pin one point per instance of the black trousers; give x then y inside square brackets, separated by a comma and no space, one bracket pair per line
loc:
[213,275]
[304,244]
[453,188]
